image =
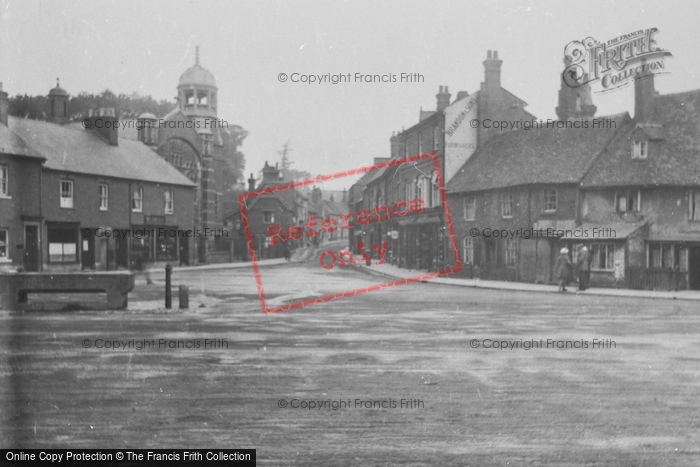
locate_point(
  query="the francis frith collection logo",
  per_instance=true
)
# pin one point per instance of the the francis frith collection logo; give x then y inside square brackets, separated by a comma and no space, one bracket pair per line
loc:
[614,63]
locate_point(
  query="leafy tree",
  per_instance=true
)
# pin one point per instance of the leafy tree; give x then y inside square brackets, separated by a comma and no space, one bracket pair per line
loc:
[126,105]
[233,137]
[289,174]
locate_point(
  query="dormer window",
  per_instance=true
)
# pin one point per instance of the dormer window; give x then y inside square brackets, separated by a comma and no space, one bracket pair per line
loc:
[640,149]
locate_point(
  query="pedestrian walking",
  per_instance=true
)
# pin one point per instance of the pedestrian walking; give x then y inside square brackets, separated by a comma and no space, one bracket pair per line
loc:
[583,267]
[138,267]
[562,269]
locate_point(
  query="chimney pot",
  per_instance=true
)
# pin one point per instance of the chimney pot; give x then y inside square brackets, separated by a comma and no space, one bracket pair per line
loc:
[495,54]
[443,98]
[488,54]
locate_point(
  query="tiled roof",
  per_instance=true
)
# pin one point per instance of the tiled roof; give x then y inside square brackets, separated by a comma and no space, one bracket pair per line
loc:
[620,230]
[288,197]
[535,156]
[83,151]
[672,160]
[336,208]
[11,143]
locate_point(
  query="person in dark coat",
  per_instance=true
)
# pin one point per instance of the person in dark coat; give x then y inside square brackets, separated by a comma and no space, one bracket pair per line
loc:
[562,269]
[583,267]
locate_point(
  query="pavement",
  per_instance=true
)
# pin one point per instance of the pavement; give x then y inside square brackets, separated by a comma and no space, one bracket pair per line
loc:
[395,272]
[299,255]
[236,265]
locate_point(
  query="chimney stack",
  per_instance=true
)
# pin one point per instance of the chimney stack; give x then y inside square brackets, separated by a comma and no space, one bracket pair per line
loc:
[443,98]
[492,70]
[270,174]
[395,145]
[251,183]
[4,106]
[644,93]
[106,124]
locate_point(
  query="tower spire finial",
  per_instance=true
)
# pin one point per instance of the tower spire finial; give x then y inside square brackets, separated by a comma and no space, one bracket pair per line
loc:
[57,83]
[196,55]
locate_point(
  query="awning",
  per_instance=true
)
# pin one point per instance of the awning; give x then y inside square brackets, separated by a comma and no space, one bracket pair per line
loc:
[657,235]
[413,220]
[601,232]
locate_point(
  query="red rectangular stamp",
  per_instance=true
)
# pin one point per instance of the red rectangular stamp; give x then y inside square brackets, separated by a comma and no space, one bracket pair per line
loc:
[280,233]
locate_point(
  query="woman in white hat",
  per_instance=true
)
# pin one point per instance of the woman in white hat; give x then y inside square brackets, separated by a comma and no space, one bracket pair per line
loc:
[562,269]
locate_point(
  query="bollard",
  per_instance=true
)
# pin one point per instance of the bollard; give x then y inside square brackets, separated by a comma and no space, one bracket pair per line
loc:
[184,296]
[168,292]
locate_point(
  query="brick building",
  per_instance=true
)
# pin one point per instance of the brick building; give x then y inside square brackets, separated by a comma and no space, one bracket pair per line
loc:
[189,138]
[278,210]
[84,207]
[628,189]
[520,181]
[419,241]
[646,188]
[20,202]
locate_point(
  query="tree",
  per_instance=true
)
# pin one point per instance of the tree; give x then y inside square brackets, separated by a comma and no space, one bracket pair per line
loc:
[233,137]
[289,174]
[126,106]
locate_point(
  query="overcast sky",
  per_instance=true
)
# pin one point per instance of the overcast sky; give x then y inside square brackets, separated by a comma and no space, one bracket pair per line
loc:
[145,46]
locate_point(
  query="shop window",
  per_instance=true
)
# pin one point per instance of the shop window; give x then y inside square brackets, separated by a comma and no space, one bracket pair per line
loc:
[667,256]
[468,250]
[141,248]
[63,245]
[603,256]
[166,246]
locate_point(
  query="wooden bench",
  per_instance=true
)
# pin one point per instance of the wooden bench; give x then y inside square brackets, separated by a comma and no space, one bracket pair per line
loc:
[15,289]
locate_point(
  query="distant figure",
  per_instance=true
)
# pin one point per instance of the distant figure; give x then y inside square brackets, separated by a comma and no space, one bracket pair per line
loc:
[138,267]
[562,269]
[583,267]
[287,253]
